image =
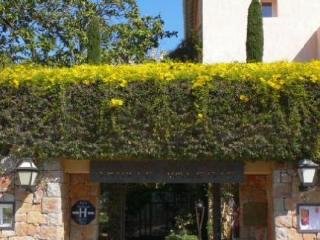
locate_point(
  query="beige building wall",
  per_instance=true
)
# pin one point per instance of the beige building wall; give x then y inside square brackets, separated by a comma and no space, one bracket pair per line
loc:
[292,35]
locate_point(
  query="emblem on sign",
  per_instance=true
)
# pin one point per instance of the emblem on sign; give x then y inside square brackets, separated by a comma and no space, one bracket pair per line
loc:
[83,212]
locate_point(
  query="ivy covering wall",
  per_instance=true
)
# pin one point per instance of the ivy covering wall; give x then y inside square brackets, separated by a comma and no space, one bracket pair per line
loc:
[162,111]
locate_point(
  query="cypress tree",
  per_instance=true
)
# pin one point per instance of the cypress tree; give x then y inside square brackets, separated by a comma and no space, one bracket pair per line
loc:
[254,44]
[94,41]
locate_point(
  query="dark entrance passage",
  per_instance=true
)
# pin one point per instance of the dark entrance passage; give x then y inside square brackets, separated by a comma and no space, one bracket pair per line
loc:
[149,211]
[153,211]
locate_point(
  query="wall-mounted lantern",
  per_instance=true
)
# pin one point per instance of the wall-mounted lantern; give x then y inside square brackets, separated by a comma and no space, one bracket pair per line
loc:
[27,173]
[307,171]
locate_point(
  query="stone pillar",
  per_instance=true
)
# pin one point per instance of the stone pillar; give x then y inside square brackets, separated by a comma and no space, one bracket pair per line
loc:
[41,215]
[286,197]
[81,188]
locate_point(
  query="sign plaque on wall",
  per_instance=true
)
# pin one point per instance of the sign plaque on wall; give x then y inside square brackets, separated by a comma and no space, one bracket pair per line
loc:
[83,212]
[308,218]
[166,171]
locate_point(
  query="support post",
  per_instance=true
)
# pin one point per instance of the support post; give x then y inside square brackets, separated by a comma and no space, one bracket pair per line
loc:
[123,199]
[217,211]
[210,212]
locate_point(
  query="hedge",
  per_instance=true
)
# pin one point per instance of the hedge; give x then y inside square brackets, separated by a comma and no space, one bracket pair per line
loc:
[162,111]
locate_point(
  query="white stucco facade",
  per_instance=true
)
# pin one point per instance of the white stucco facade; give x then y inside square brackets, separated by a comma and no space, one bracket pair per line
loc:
[293,34]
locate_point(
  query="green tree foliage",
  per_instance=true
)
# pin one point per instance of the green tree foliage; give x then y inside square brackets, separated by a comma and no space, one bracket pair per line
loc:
[55,32]
[189,50]
[94,41]
[254,44]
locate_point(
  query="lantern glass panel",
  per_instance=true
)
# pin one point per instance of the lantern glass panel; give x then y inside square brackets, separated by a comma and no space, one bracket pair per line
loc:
[24,177]
[308,175]
[33,178]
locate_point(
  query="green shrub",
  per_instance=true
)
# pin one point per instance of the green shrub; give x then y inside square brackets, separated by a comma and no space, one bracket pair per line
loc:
[162,111]
[255,41]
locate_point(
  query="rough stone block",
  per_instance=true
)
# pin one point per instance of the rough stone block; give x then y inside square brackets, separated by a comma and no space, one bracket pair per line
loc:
[309,236]
[5,183]
[282,233]
[38,195]
[22,207]
[23,238]
[276,176]
[33,229]
[290,204]
[285,177]
[53,176]
[51,233]
[21,229]
[54,219]
[35,218]
[314,196]
[279,207]
[51,205]
[53,189]
[294,221]
[283,221]
[282,190]
[7,233]
[21,217]
[294,235]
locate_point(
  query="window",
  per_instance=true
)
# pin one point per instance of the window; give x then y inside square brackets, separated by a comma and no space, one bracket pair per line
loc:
[6,211]
[267,9]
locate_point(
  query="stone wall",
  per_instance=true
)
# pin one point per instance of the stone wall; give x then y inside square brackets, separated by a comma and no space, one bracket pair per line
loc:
[267,206]
[42,215]
[286,197]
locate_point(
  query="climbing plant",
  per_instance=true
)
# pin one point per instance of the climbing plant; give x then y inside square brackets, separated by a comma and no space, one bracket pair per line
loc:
[162,111]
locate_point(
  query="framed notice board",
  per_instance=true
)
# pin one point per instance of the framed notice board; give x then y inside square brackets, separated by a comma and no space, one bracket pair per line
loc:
[308,218]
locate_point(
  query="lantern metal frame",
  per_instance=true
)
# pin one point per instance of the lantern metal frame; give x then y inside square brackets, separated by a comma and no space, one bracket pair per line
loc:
[32,169]
[303,165]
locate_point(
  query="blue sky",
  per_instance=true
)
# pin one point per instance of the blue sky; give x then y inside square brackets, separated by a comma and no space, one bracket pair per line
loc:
[171,12]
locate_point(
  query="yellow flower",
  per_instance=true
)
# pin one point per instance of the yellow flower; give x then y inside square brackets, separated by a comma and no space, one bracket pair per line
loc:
[274,85]
[200,116]
[116,102]
[16,83]
[200,81]
[244,98]
[123,83]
